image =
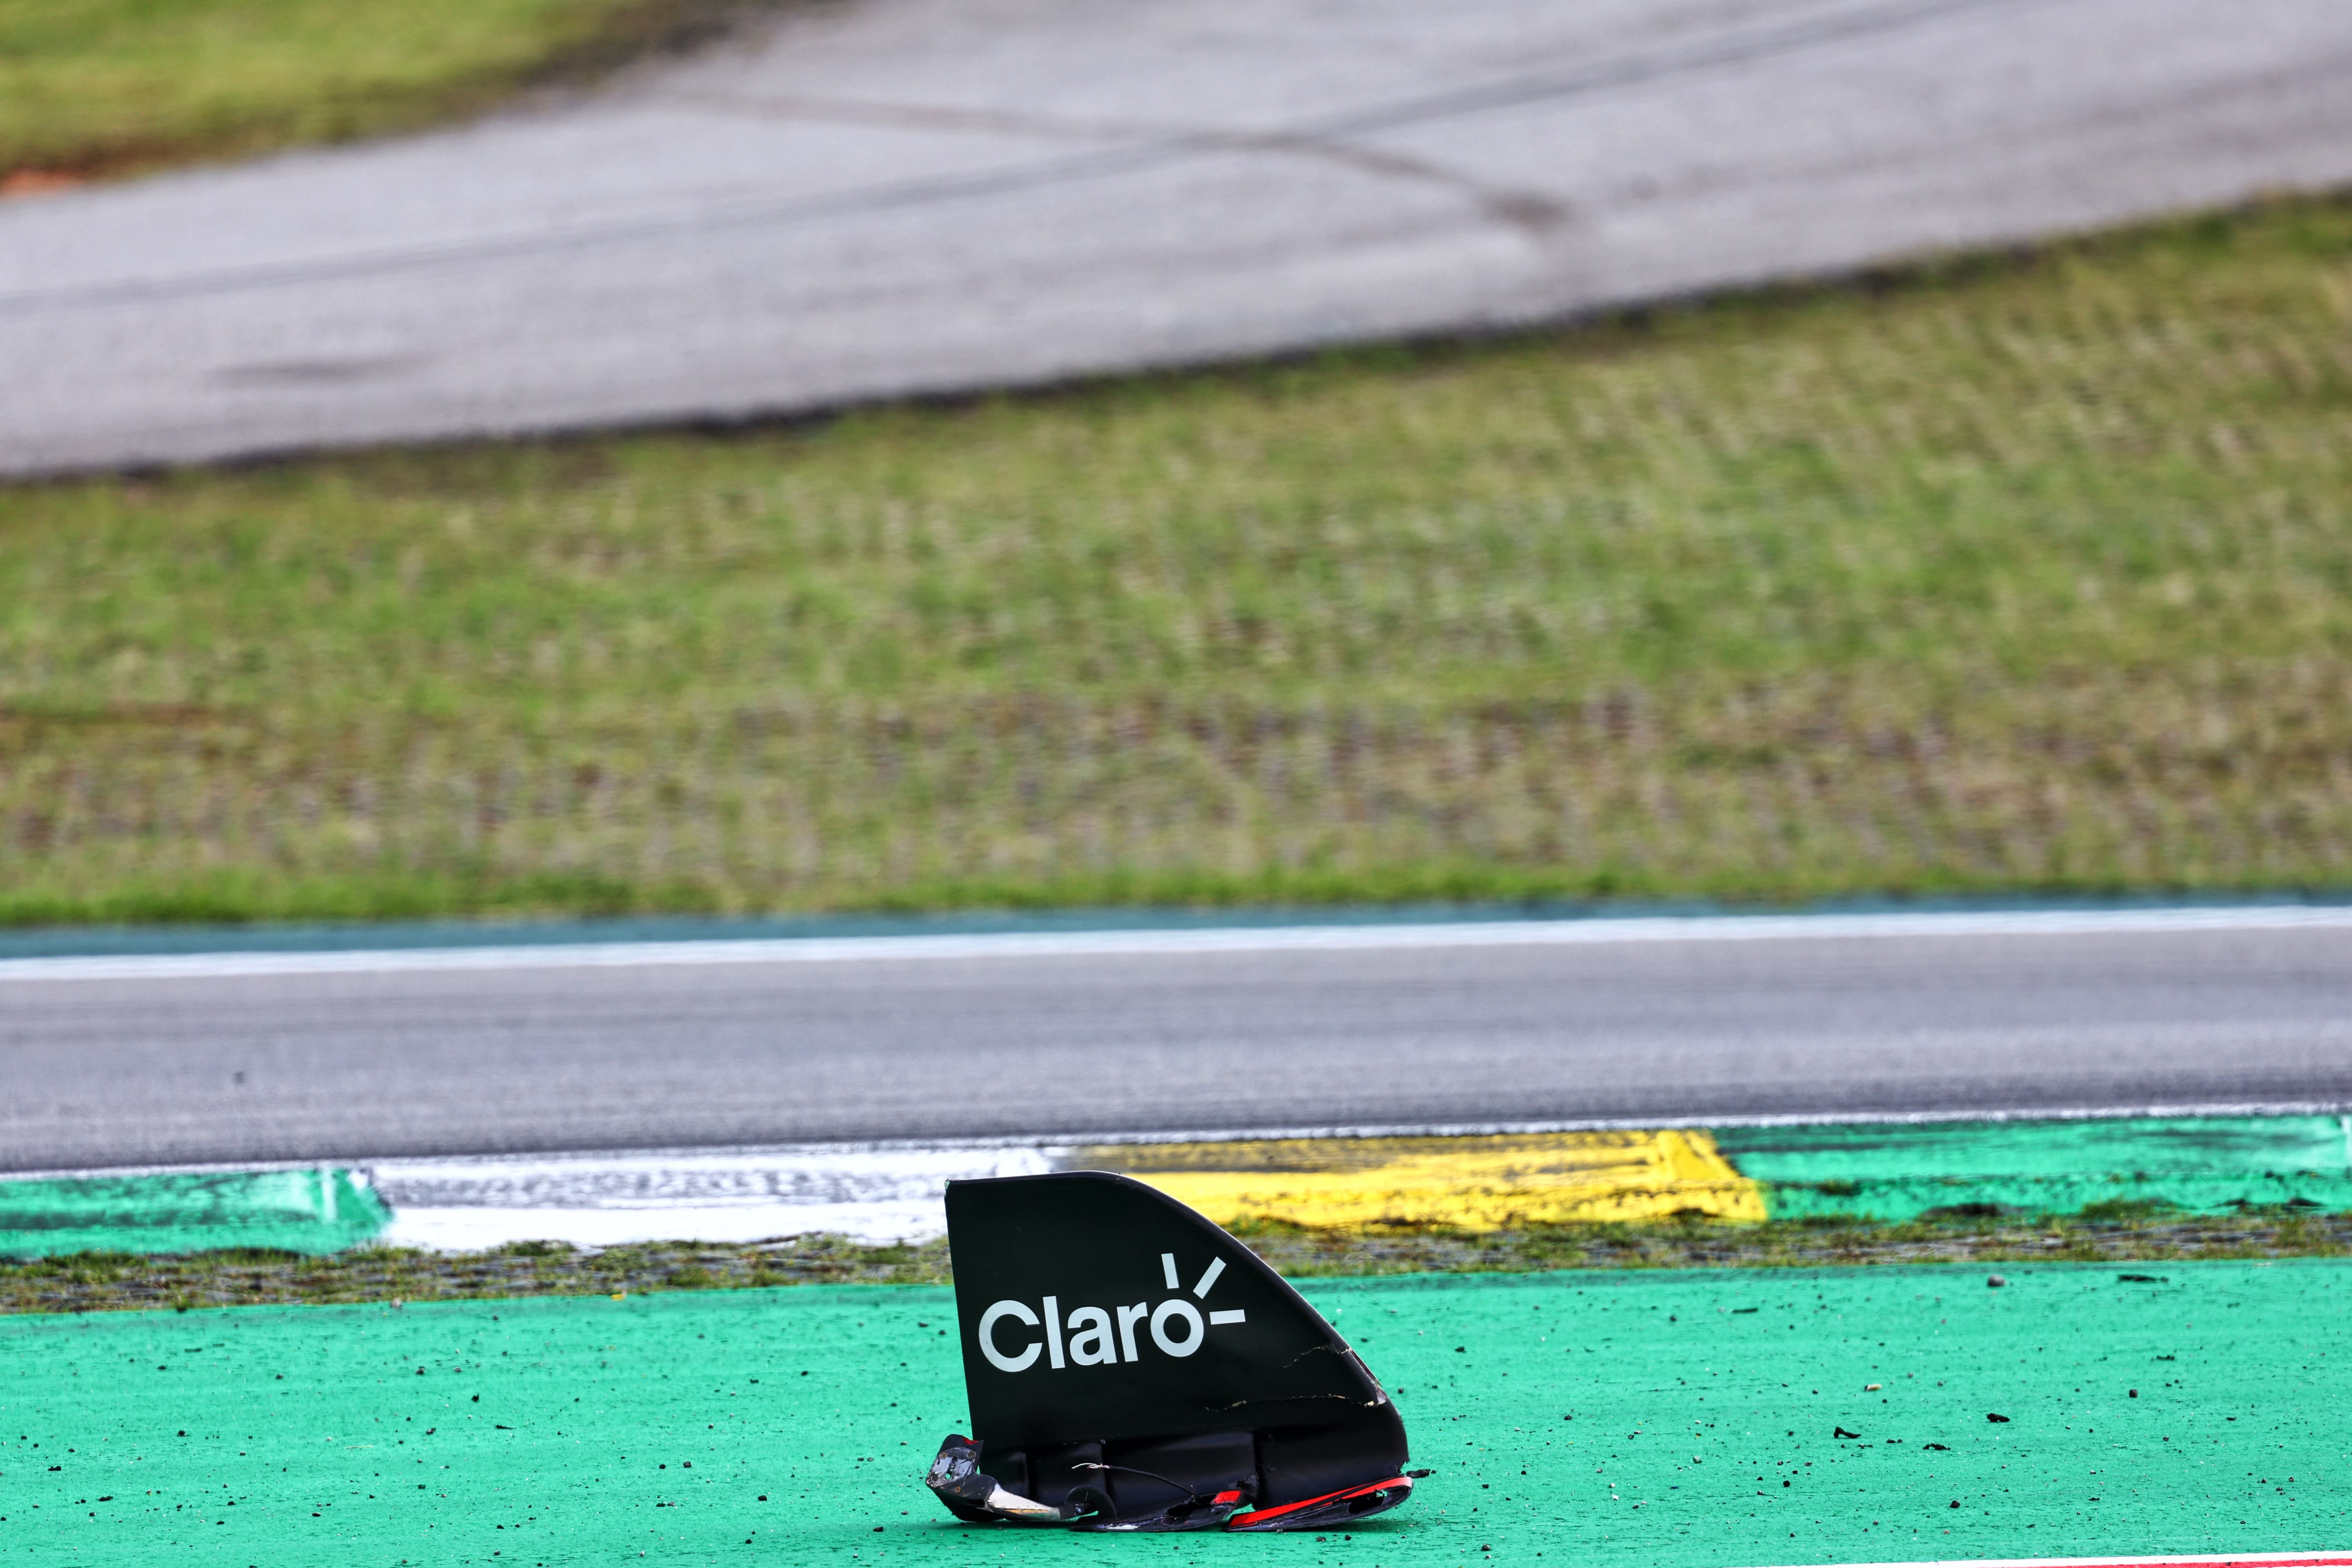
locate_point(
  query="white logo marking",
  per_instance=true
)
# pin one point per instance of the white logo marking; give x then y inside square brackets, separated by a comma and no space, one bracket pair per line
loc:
[1090,1338]
[997,1358]
[1173,1308]
[1176,1325]
[1127,1317]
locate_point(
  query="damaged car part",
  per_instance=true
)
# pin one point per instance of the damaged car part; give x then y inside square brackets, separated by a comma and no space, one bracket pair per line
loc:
[1130,1366]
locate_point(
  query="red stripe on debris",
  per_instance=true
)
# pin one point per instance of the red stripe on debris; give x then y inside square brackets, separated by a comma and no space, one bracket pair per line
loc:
[1266,1513]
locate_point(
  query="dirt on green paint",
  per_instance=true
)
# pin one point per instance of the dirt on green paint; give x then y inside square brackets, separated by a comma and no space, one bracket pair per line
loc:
[1691,1419]
[120,1280]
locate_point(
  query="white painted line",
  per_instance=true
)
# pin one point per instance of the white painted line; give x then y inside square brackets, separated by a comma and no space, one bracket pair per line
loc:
[481,1229]
[608,1200]
[1159,943]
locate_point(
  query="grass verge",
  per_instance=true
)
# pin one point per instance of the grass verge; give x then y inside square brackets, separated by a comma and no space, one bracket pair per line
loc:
[91,88]
[2024,574]
[111,1282]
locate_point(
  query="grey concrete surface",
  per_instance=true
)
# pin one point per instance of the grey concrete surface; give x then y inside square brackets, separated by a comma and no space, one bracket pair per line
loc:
[354,1066]
[881,197]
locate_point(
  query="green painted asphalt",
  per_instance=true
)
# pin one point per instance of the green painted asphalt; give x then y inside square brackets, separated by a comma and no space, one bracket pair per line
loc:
[1899,1172]
[1685,1419]
[313,1212]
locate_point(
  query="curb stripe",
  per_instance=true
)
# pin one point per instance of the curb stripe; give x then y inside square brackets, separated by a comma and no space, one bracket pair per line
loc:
[1175,943]
[1336,1182]
[1248,1134]
[1469,1184]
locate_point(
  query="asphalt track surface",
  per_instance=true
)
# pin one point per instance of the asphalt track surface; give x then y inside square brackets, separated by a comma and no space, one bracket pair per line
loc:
[889,197]
[411,1056]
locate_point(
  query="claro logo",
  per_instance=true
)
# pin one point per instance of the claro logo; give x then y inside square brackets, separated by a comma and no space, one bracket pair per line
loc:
[1176,1327]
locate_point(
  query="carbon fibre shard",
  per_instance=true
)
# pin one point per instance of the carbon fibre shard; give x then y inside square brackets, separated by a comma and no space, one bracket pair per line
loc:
[974,1498]
[1131,1367]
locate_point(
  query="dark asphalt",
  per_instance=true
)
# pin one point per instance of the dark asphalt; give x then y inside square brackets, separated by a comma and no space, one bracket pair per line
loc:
[117,1071]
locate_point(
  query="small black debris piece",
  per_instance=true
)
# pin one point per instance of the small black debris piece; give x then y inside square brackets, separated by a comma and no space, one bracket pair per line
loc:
[1842,1431]
[1938,1447]
[2141,1280]
[1994,1281]
[1998,1419]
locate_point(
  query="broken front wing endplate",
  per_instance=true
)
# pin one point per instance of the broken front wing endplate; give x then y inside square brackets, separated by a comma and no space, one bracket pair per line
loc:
[1130,1366]
[975,1496]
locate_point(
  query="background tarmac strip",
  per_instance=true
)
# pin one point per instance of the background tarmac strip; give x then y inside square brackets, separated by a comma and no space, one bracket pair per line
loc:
[1474,1182]
[1697,1420]
[1148,943]
[811,224]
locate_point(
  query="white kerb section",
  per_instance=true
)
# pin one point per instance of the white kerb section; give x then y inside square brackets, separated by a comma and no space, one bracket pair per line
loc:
[868,1194]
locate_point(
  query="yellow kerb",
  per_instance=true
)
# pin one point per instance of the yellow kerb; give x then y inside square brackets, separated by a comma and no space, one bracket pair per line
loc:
[1470,1184]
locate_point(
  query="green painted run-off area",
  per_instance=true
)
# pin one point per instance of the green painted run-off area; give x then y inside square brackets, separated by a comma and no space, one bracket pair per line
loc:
[791,1425]
[315,1212]
[1982,1169]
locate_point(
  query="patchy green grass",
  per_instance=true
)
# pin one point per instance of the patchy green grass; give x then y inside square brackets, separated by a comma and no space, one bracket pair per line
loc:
[95,87]
[1810,1243]
[2028,574]
[104,1281]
